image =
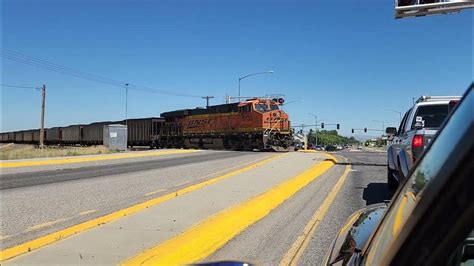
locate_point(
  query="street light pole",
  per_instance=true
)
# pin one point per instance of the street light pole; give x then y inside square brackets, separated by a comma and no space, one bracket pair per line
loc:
[126,104]
[253,74]
[43,100]
[383,124]
[399,113]
[285,104]
[315,128]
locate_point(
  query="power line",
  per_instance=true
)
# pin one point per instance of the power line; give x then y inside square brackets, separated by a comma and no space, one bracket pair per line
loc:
[15,86]
[33,61]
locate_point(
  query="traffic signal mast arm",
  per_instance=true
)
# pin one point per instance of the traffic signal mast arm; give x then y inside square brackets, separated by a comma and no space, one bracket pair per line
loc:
[318,126]
[366,129]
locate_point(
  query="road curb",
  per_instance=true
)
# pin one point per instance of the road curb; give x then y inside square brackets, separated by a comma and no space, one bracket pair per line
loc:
[73,160]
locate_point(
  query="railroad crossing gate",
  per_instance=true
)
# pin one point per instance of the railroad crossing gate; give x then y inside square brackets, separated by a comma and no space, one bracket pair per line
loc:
[416,8]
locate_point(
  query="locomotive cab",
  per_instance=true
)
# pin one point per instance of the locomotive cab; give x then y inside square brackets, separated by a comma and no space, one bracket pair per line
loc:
[266,116]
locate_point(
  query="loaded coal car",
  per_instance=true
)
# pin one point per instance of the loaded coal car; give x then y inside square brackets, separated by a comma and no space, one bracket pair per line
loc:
[93,134]
[257,123]
[28,136]
[18,136]
[11,137]
[144,131]
[53,136]
[4,137]
[71,135]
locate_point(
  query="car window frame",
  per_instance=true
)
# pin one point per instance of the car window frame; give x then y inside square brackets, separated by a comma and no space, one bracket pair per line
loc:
[401,129]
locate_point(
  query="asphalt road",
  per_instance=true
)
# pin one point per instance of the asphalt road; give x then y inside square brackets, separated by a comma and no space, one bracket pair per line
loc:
[267,241]
[17,180]
[366,185]
[40,202]
[47,200]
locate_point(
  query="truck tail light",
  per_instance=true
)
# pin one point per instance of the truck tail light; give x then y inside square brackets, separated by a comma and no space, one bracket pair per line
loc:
[417,141]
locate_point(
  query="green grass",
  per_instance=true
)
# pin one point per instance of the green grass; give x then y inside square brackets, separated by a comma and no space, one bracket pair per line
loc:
[15,151]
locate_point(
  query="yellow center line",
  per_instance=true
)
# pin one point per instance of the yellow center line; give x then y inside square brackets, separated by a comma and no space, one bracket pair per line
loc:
[154,192]
[4,237]
[86,212]
[295,252]
[61,234]
[182,183]
[43,225]
[202,240]
[6,164]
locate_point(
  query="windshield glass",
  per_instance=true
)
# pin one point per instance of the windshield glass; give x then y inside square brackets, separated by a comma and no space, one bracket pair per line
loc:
[274,107]
[430,116]
[261,107]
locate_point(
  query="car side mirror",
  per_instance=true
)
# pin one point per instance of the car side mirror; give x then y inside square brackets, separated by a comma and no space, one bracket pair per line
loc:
[355,233]
[391,130]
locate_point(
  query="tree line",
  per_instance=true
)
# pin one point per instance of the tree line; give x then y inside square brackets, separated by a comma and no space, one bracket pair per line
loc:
[327,137]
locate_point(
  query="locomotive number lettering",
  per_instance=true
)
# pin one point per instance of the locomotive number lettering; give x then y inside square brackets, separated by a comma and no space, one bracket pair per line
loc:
[246,118]
[273,119]
[196,123]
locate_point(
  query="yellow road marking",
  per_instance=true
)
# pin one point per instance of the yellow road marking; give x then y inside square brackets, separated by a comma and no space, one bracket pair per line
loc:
[182,183]
[43,225]
[53,237]
[86,212]
[200,241]
[5,164]
[4,237]
[154,192]
[308,151]
[299,246]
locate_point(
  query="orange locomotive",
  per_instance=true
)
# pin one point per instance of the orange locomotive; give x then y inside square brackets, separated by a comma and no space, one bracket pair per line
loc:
[257,123]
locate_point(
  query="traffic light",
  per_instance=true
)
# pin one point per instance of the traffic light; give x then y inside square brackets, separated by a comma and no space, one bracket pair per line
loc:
[352,131]
[365,129]
[338,126]
[322,125]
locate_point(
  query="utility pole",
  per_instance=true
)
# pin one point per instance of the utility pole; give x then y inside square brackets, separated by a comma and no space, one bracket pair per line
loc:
[43,100]
[207,100]
[305,138]
[126,105]
[315,128]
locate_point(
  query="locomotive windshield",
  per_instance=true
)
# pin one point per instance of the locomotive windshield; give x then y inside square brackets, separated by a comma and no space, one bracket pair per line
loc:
[274,107]
[263,107]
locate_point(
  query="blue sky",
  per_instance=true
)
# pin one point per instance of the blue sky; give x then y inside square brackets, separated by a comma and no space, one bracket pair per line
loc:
[348,60]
